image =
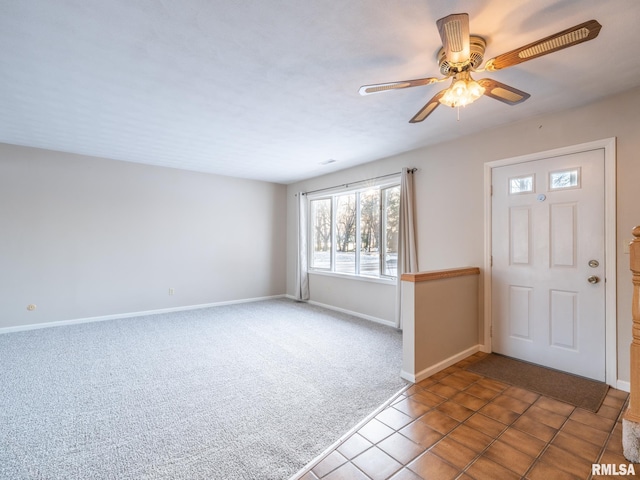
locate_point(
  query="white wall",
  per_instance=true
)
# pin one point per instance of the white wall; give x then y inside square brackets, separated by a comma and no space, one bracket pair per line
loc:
[84,237]
[449,186]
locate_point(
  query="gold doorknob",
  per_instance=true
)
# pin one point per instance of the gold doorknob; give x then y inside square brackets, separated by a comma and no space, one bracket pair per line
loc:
[593,279]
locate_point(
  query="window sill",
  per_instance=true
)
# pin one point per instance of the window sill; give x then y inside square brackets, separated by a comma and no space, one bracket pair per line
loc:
[347,276]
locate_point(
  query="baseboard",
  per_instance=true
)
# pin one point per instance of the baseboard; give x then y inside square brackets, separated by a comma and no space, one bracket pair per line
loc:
[351,312]
[624,386]
[20,328]
[427,372]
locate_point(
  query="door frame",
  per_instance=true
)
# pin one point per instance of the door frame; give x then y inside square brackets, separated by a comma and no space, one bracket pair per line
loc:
[611,335]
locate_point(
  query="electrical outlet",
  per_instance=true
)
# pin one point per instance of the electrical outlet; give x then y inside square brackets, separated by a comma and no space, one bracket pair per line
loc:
[171,291]
[31,307]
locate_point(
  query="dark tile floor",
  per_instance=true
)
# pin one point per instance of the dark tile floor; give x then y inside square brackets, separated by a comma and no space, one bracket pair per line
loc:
[458,424]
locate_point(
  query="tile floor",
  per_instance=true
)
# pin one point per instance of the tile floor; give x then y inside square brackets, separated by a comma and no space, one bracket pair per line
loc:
[458,424]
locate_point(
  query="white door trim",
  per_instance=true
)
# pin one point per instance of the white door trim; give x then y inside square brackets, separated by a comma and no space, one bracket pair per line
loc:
[609,146]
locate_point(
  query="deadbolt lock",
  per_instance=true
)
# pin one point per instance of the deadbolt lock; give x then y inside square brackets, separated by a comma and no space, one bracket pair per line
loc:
[594,263]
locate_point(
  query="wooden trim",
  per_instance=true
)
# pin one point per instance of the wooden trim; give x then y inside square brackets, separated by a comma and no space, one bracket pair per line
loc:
[439,274]
[633,413]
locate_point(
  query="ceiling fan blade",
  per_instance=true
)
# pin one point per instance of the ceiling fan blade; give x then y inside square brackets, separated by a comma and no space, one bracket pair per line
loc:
[383,87]
[454,32]
[567,38]
[502,92]
[428,108]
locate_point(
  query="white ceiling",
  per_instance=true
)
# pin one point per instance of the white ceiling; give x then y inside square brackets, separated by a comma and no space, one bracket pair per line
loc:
[267,89]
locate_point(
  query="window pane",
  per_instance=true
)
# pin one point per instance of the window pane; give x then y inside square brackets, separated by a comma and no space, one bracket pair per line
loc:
[521,185]
[370,233]
[390,224]
[346,233]
[564,179]
[321,233]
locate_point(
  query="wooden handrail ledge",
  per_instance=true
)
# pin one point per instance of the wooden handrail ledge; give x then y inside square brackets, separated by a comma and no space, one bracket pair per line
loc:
[439,274]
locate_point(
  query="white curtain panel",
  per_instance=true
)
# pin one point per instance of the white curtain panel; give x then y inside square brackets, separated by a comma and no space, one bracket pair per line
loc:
[302,270]
[407,252]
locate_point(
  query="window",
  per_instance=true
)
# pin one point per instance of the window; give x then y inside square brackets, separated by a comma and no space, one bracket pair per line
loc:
[390,228]
[370,233]
[321,233]
[345,234]
[356,232]
[521,185]
[564,179]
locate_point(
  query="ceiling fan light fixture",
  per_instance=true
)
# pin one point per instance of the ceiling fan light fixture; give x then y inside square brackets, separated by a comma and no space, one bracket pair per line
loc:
[463,53]
[463,91]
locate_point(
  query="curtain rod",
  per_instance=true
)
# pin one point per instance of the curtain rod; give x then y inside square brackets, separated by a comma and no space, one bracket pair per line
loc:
[411,170]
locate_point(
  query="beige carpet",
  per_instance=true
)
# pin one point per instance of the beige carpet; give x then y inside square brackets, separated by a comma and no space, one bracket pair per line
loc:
[251,391]
[579,391]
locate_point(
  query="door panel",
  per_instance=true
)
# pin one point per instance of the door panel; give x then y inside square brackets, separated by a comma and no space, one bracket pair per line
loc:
[564,242]
[520,312]
[547,224]
[520,234]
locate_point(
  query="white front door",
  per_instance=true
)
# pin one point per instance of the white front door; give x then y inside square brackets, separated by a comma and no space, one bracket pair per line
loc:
[548,289]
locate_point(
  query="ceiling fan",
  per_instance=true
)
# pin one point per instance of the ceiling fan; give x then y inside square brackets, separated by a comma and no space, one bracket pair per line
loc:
[462,54]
